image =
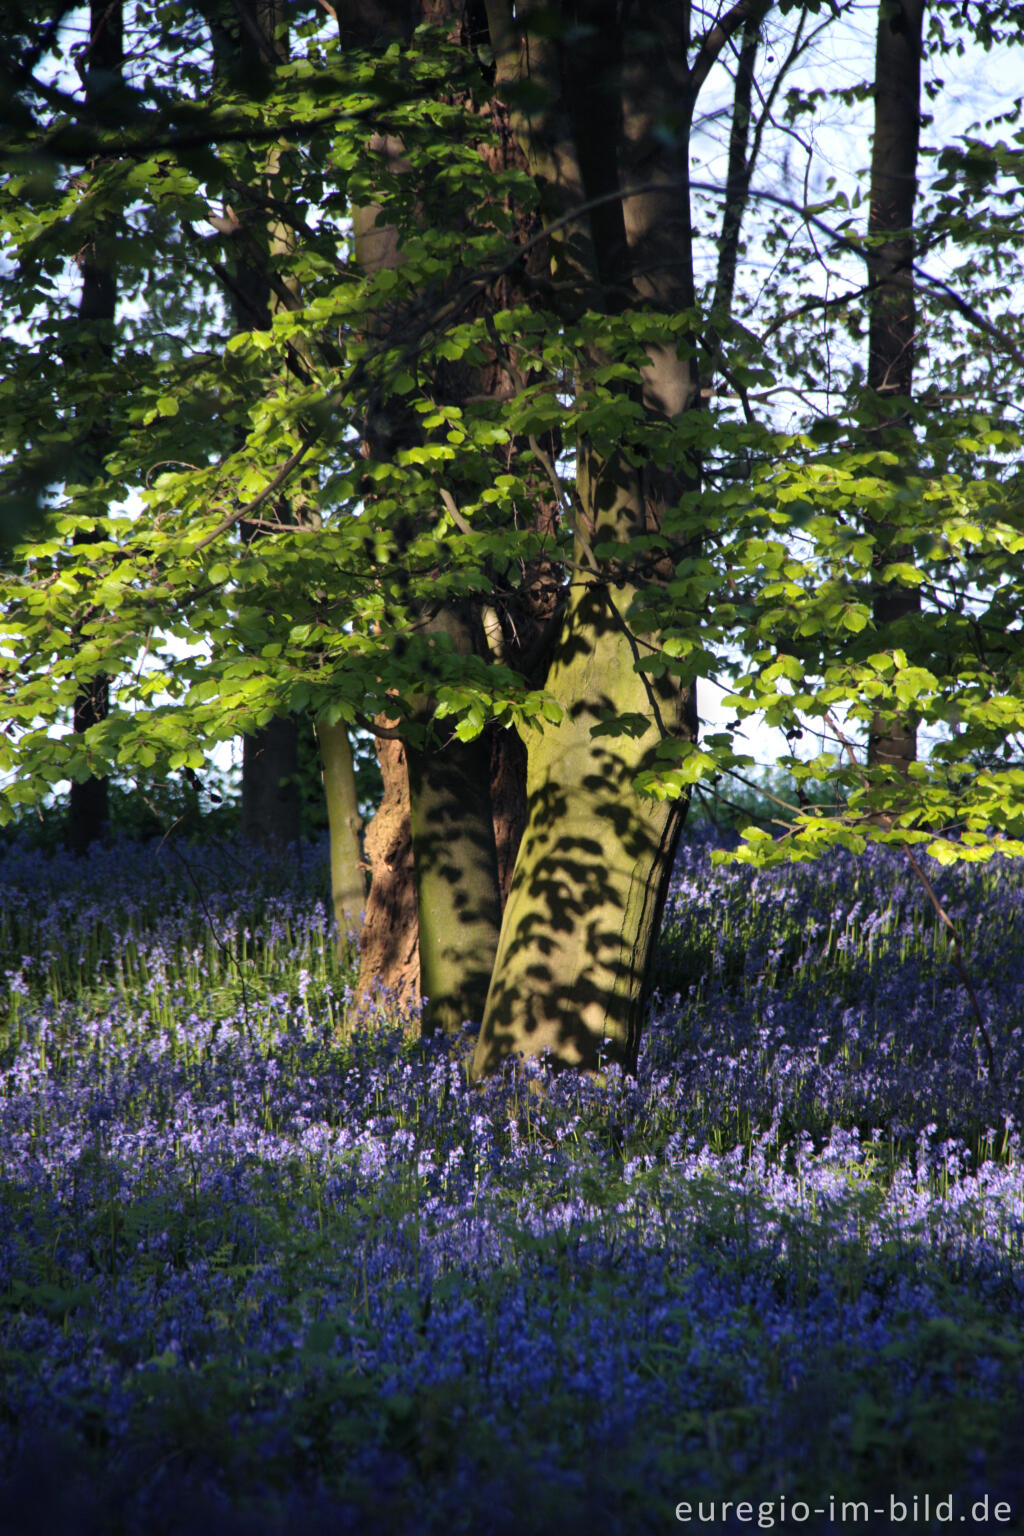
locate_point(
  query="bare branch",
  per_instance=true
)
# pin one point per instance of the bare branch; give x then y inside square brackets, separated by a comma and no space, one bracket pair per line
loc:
[715,39]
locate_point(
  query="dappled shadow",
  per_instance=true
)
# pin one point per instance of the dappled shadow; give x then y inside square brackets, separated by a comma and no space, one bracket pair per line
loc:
[456,865]
[573,961]
[572,968]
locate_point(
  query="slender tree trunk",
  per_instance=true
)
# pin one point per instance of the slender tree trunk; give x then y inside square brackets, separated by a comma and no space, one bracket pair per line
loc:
[88,809]
[892,739]
[250,41]
[348,872]
[737,192]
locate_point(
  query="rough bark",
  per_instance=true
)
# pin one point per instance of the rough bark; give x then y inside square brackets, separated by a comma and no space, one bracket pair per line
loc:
[102,65]
[389,939]
[892,739]
[348,871]
[452,925]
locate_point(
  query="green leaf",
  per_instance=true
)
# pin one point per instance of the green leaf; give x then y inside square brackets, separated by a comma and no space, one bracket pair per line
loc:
[912,682]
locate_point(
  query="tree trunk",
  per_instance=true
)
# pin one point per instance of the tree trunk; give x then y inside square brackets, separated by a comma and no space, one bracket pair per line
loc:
[458,898]
[271,811]
[250,42]
[88,808]
[389,940]
[892,739]
[452,925]
[737,194]
[570,976]
[573,962]
[348,872]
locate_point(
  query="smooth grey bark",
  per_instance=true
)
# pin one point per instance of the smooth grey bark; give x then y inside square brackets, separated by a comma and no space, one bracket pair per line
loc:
[603,111]
[892,739]
[458,897]
[348,871]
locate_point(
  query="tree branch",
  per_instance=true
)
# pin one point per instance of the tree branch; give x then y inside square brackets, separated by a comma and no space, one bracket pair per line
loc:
[715,39]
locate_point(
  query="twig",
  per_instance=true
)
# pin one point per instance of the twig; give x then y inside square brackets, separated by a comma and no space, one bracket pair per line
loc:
[308,439]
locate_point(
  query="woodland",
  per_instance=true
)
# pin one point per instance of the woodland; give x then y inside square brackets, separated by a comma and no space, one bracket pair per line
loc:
[481,377]
[448,401]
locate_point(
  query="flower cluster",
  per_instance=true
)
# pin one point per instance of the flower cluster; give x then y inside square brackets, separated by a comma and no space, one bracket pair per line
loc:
[268,1266]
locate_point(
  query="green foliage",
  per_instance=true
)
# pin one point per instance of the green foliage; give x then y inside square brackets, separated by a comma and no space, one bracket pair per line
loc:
[379,489]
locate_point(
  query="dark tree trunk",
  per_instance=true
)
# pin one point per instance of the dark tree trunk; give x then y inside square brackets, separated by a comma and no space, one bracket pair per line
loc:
[737,193]
[249,42]
[88,808]
[507,772]
[892,738]
[271,805]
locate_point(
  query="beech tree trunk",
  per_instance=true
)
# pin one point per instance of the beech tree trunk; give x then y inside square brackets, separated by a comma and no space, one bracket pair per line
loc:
[446,925]
[892,739]
[600,109]
[608,109]
[458,899]
[348,871]
[88,808]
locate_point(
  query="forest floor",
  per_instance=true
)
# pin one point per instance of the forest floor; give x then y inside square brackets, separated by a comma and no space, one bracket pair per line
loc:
[267,1269]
